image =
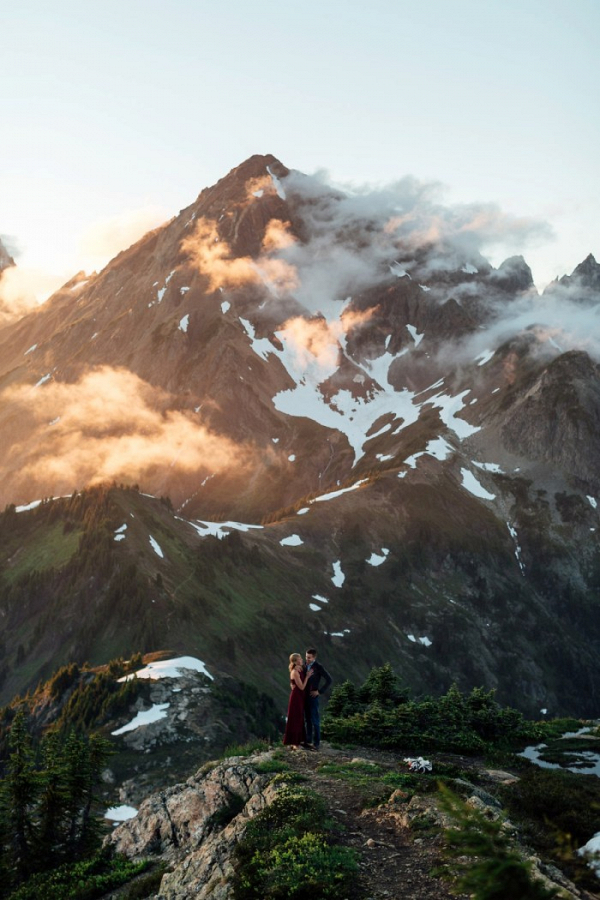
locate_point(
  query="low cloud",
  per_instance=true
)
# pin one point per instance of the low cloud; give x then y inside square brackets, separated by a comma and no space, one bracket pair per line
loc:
[314,345]
[111,425]
[212,256]
[107,237]
[24,289]
[353,235]
[558,319]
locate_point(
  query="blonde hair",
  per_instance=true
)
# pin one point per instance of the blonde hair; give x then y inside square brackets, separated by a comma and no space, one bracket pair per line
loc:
[294,657]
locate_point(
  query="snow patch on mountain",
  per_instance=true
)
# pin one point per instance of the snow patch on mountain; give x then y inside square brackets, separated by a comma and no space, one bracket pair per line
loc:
[376,559]
[398,270]
[425,641]
[484,357]
[31,349]
[170,668]
[294,540]
[183,324]
[314,607]
[515,537]
[592,501]
[161,292]
[320,598]
[331,495]
[338,577]
[488,467]
[33,505]
[217,529]
[470,483]
[120,813]
[438,448]
[156,712]
[261,346]
[417,338]
[225,306]
[450,407]
[277,184]
[156,547]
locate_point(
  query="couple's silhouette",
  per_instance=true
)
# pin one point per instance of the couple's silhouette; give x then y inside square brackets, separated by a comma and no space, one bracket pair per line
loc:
[303,727]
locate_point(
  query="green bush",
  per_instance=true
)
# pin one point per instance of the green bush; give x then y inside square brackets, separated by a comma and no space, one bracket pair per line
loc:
[302,868]
[482,859]
[86,880]
[287,852]
[380,714]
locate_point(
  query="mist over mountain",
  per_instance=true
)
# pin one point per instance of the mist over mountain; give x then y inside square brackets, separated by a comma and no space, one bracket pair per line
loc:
[409,435]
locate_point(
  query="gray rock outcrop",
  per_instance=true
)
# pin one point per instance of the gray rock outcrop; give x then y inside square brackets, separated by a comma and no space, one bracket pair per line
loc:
[180,825]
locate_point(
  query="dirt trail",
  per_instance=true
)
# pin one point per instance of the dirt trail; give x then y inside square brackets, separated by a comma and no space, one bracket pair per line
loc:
[395,862]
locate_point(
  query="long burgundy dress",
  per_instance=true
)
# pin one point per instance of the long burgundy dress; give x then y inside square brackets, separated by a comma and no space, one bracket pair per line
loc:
[295,732]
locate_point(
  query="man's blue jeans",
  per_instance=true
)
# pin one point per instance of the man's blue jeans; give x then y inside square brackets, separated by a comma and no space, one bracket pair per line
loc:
[313,721]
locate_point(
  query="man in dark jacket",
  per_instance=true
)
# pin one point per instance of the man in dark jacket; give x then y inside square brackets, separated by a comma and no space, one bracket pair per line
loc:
[313,691]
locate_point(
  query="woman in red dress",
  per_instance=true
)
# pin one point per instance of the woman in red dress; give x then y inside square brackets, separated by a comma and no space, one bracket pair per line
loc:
[295,733]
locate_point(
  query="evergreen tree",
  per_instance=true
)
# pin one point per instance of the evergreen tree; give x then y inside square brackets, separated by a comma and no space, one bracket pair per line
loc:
[18,794]
[51,811]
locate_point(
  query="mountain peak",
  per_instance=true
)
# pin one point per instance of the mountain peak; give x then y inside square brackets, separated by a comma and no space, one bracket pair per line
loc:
[588,272]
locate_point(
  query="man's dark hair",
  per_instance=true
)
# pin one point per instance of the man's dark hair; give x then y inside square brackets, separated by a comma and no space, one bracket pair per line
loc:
[311,650]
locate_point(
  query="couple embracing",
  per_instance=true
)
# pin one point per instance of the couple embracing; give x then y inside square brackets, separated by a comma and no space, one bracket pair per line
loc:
[303,728]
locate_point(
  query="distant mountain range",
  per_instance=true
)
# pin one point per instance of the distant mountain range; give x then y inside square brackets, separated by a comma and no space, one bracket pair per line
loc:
[409,436]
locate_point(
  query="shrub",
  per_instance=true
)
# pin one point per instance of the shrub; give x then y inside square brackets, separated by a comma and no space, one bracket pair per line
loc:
[287,852]
[482,859]
[86,880]
[380,714]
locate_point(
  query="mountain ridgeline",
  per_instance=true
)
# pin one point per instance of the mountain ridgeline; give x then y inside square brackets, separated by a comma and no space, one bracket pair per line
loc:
[295,416]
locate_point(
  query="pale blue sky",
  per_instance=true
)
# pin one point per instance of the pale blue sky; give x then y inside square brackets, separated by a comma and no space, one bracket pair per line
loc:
[126,109]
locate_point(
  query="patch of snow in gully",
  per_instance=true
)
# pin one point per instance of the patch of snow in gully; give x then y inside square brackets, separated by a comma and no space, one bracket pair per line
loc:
[417,338]
[338,577]
[515,537]
[156,712]
[156,547]
[470,483]
[484,357]
[183,325]
[331,495]
[277,184]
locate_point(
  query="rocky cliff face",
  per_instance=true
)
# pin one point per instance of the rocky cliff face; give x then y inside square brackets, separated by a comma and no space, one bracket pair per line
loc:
[178,825]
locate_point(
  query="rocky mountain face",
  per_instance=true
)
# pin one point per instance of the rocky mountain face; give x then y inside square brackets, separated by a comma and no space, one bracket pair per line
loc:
[400,442]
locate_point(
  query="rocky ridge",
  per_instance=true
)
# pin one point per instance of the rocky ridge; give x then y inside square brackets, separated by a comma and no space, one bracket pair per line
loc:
[398,841]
